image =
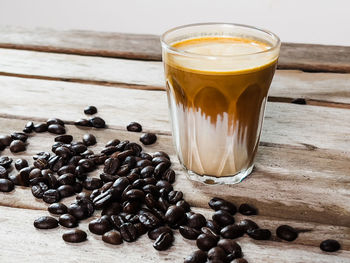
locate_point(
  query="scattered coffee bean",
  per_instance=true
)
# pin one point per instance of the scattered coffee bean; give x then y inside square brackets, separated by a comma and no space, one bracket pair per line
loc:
[40,127]
[90,110]
[5,161]
[197,256]
[330,245]
[83,122]
[81,209]
[149,220]
[232,231]
[223,218]
[28,128]
[54,121]
[259,234]
[213,226]
[45,222]
[17,146]
[22,178]
[92,183]
[128,232]
[19,136]
[57,208]
[111,166]
[64,138]
[196,221]
[112,237]
[175,214]
[154,233]
[217,253]
[247,210]
[247,224]
[189,233]
[65,191]
[67,220]
[56,129]
[3,173]
[41,163]
[163,241]
[217,203]
[134,127]
[39,189]
[20,164]
[97,122]
[101,225]
[6,185]
[74,236]
[148,138]
[206,242]
[286,232]
[89,139]
[231,247]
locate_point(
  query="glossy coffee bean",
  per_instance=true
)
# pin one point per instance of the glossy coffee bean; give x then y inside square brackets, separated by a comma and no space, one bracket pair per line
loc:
[154,233]
[189,233]
[5,140]
[330,245]
[147,171]
[197,256]
[259,234]
[87,165]
[247,224]
[41,163]
[247,210]
[67,169]
[28,128]
[113,142]
[39,189]
[97,122]
[196,221]
[57,208]
[20,164]
[5,161]
[174,214]
[67,220]
[101,225]
[169,175]
[45,222]
[286,232]
[54,121]
[51,196]
[56,129]
[135,195]
[232,231]
[231,247]
[223,218]
[128,232]
[19,136]
[160,169]
[112,209]
[184,205]
[17,146]
[74,236]
[112,237]
[6,185]
[205,242]
[163,241]
[149,220]
[217,253]
[111,166]
[64,138]
[148,138]
[213,226]
[89,139]
[40,127]
[208,231]
[217,203]
[83,123]
[66,179]
[66,190]
[92,183]
[90,110]
[3,172]
[134,127]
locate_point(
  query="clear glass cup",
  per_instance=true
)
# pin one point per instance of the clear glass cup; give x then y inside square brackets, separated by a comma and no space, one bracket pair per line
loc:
[217,80]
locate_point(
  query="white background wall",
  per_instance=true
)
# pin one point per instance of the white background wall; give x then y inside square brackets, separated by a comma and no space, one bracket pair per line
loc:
[304,21]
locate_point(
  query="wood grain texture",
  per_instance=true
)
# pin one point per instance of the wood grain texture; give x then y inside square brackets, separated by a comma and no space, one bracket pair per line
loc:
[307,57]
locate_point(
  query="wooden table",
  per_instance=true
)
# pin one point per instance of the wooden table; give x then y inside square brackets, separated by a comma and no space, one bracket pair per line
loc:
[302,175]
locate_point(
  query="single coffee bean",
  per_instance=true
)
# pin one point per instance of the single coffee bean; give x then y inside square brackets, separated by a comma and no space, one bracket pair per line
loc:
[51,196]
[56,129]
[148,138]
[217,203]
[19,136]
[160,159]
[83,123]
[197,256]
[223,218]
[81,209]
[196,221]
[247,210]
[208,231]
[41,163]
[120,184]
[184,205]
[40,127]
[78,148]
[46,222]
[128,232]
[57,208]
[63,152]
[17,146]
[111,166]
[90,110]
[149,220]
[74,236]
[6,185]
[51,180]
[39,189]
[155,233]
[135,195]
[22,178]
[286,232]
[97,122]
[54,121]
[161,154]
[101,225]
[232,231]
[231,247]
[169,175]
[87,165]
[165,184]
[65,191]
[206,242]
[113,142]
[330,245]
[147,171]
[66,179]
[68,220]
[67,169]
[3,172]
[89,139]
[213,226]
[174,214]
[20,164]
[28,128]
[259,234]
[163,241]
[122,155]
[189,232]
[247,224]
[92,183]
[112,237]
[45,155]
[64,138]
[134,127]
[217,253]
[5,161]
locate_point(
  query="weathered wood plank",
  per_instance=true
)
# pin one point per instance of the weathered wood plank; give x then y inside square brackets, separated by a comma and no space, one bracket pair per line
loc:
[284,123]
[305,57]
[287,183]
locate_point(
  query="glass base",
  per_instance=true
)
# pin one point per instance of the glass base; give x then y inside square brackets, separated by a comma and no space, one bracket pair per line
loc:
[206,179]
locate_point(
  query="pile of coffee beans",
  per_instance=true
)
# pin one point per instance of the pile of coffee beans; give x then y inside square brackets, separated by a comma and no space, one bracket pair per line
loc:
[134,194]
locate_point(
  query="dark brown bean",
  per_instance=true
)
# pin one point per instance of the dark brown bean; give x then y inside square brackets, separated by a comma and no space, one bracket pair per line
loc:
[51,196]
[197,256]
[287,233]
[135,195]
[66,179]
[148,138]
[20,164]
[68,220]
[3,172]
[55,121]
[217,253]
[149,220]
[90,110]
[101,225]
[40,127]
[223,218]
[231,247]
[19,136]
[163,241]
[247,224]
[89,139]
[28,128]
[57,208]
[39,189]
[6,185]
[154,233]
[5,140]
[83,123]
[64,138]
[247,210]
[81,209]
[128,232]
[196,221]
[111,166]
[112,237]
[5,161]
[17,146]
[184,205]
[213,226]
[206,242]
[259,234]
[113,142]
[189,232]
[330,245]
[134,127]
[92,183]
[169,175]
[217,203]
[66,191]
[97,122]
[45,222]
[174,215]
[56,129]
[87,165]
[232,231]
[74,236]
[160,159]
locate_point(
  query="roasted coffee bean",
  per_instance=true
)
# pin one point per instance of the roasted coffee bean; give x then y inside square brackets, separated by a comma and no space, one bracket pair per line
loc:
[20,164]
[184,205]
[120,184]
[213,226]
[54,121]
[89,139]
[148,138]
[134,147]
[286,232]
[330,245]
[5,162]
[196,221]
[206,242]
[35,173]
[123,170]
[143,163]
[247,210]
[111,166]
[134,127]
[174,214]
[63,152]
[90,110]
[112,237]
[5,140]
[247,224]
[45,222]
[155,233]
[40,127]
[123,155]
[83,122]
[51,180]
[77,187]
[108,177]
[66,179]
[87,165]
[169,175]
[98,158]
[223,218]
[147,171]
[87,154]
[78,148]
[19,136]
[65,191]
[74,236]
[113,142]
[189,232]
[39,189]
[81,209]
[165,184]
[109,150]
[68,220]
[83,195]
[51,196]
[64,138]
[17,146]
[106,186]
[92,183]
[101,225]
[41,163]
[150,180]
[163,241]
[6,185]
[160,169]
[57,208]
[131,207]
[112,209]
[150,201]
[232,231]
[152,189]
[217,203]
[22,178]
[135,195]
[3,173]
[140,228]
[259,234]
[160,159]
[118,220]
[175,196]
[197,256]
[97,122]
[79,173]
[123,197]
[208,231]
[28,128]
[130,161]
[231,247]
[163,204]
[132,177]
[67,169]
[128,232]
[144,155]
[149,220]
[161,154]
[217,253]
[56,129]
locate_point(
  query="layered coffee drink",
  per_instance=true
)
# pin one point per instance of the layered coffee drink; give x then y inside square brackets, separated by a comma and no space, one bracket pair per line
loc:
[217,102]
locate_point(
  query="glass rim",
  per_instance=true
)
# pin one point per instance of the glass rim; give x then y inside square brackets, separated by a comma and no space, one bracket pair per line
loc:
[187,53]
